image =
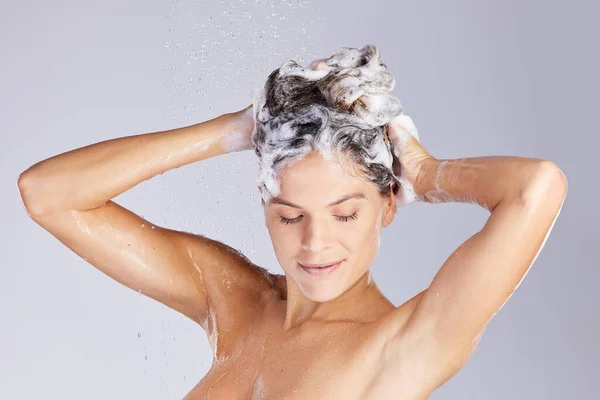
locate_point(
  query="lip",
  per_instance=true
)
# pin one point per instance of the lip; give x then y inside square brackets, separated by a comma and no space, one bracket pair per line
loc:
[321,269]
[320,265]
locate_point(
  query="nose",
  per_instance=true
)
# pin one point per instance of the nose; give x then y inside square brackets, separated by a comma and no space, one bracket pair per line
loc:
[316,237]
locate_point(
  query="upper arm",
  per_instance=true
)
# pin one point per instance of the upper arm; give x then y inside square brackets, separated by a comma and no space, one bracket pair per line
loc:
[172,267]
[479,277]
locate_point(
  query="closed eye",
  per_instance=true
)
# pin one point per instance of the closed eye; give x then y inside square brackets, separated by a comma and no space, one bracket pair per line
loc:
[343,218]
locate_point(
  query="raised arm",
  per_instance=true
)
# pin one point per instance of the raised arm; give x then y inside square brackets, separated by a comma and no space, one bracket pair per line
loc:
[69,196]
[524,197]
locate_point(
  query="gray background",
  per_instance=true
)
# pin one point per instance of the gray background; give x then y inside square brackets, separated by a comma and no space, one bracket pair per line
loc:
[477,77]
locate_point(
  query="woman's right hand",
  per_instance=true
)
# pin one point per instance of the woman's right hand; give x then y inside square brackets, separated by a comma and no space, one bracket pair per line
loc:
[240,125]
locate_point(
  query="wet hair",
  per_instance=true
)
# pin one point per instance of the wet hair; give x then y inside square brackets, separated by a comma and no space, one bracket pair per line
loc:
[341,108]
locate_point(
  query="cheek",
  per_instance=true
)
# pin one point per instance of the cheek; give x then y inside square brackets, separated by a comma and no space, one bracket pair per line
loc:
[358,236]
[363,241]
[284,240]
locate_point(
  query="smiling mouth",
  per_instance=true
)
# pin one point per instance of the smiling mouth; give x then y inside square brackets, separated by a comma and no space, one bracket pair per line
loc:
[320,265]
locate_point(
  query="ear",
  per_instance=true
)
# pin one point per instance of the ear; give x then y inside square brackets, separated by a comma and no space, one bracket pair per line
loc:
[390,209]
[389,215]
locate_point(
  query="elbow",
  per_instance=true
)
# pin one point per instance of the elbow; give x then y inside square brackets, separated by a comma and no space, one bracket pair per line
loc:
[555,178]
[548,182]
[26,186]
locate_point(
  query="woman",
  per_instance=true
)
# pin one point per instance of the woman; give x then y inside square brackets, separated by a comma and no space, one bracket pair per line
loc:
[337,156]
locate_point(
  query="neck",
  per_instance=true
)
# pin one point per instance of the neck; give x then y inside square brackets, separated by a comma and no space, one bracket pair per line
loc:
[362,302]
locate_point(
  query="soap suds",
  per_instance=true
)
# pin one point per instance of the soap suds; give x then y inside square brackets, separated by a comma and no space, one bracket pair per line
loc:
[333,106]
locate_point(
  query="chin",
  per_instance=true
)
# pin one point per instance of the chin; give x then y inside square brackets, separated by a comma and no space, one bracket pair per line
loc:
[321,296]
[321,292]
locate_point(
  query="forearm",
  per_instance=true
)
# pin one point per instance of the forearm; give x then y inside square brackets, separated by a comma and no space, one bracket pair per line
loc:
[88,177]
[484,181]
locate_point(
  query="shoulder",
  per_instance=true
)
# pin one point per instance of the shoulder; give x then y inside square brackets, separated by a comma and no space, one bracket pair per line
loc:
[217,259]
[233,284]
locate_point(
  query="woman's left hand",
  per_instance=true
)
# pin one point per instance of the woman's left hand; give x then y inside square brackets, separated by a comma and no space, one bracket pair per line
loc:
[407,149]
[321,63]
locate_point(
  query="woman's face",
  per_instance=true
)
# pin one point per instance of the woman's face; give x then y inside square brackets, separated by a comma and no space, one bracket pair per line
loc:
[310,223]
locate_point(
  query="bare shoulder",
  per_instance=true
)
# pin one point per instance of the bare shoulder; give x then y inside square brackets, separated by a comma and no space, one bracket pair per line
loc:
[233,284]
[226,271]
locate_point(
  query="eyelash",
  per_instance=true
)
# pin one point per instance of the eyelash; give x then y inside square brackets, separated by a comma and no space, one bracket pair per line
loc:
[341,218]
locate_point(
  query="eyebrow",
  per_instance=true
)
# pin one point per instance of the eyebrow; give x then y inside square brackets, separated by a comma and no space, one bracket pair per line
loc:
[277,200]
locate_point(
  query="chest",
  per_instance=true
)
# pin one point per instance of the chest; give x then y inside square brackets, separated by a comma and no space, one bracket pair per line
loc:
[342,363]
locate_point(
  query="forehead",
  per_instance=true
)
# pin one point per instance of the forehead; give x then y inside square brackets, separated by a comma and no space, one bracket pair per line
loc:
[319,180]
[313,168]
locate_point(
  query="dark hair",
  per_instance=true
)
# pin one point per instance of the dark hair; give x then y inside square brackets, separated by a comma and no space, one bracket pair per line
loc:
[343,107]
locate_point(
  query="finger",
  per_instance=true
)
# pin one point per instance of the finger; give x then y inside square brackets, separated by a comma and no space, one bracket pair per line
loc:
[404,127]
[318,64]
